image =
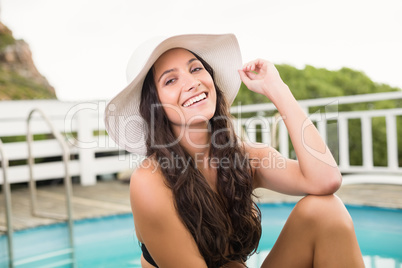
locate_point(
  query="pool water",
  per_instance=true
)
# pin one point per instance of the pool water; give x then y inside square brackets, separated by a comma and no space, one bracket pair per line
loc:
[111,241]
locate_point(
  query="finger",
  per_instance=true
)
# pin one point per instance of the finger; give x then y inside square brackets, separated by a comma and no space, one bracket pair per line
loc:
[255,65]
[252,75]
[248,66]
[259,64]
[243,75]
[246,80]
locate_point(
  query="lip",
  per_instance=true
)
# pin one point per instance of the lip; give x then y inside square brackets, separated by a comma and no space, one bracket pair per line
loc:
[195,95]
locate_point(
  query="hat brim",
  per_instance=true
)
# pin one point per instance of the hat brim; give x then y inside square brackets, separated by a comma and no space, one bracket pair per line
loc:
[122,118]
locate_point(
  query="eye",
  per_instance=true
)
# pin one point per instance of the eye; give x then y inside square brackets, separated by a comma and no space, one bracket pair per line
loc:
[196,69]
[168,82]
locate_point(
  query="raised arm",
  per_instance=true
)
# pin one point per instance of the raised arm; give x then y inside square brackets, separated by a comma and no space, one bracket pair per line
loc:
[315,171]
[157,223]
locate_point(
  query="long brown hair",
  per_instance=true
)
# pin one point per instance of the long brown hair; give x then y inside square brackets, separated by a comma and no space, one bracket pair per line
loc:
[226,220]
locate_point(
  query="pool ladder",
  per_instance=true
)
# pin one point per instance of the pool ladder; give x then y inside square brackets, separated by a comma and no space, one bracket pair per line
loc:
[34,208]
[7,196]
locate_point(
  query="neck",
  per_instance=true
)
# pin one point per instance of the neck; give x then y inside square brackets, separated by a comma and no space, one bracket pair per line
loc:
[195,139]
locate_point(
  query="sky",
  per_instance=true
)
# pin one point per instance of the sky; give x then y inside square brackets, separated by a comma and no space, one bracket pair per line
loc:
[82,46]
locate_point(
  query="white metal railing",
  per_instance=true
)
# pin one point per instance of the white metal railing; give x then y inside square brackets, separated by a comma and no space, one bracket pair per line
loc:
[262,128]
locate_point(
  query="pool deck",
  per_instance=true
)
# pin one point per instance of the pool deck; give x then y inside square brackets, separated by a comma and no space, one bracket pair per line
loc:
[112,197]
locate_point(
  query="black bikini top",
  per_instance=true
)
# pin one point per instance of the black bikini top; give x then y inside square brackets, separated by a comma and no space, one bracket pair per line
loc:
[147,256]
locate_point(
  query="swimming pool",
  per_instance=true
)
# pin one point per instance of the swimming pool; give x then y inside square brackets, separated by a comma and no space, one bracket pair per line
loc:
[111,241]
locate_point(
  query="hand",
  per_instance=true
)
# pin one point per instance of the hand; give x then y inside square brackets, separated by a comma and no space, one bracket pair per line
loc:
[262,77]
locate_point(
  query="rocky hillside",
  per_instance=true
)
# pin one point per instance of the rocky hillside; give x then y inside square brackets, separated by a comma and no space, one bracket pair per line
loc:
[19,78]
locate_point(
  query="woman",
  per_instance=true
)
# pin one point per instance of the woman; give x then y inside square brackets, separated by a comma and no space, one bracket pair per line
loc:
[191,197]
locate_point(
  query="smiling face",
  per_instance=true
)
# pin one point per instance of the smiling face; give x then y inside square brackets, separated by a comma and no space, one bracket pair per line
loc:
[185,88]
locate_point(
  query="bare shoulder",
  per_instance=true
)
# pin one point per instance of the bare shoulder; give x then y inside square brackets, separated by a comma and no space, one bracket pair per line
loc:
[147,173]
[151,200]
[148,191]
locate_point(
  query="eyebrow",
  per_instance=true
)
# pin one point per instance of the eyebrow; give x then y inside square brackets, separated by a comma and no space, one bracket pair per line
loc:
[174,69]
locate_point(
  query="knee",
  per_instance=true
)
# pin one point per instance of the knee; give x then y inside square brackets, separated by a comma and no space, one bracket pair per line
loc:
[323,212]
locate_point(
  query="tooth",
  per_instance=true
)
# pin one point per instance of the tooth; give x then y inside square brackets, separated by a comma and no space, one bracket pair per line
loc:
[195,99]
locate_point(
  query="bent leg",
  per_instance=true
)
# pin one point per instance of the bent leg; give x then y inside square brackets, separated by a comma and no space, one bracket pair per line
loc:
[318,233]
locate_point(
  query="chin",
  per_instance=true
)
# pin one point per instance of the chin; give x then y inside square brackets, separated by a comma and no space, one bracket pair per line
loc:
[199,117]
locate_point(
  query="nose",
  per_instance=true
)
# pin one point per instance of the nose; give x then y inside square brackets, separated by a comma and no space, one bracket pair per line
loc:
[190,82]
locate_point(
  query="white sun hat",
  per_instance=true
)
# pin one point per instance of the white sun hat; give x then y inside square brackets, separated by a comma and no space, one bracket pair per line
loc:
[123,121]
